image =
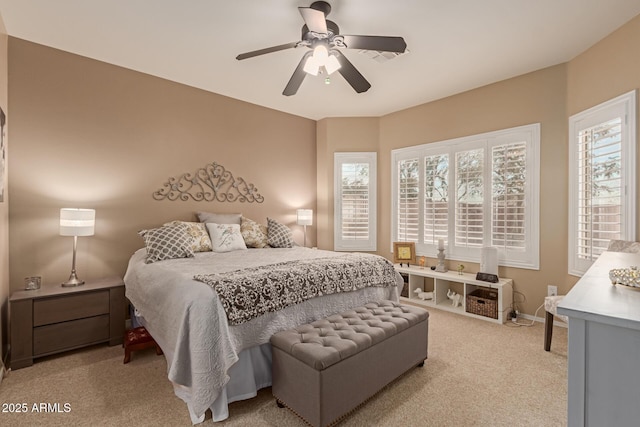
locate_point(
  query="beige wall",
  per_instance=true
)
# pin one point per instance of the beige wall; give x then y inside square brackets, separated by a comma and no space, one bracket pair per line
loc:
[4,206]
[333,136]
[93,135]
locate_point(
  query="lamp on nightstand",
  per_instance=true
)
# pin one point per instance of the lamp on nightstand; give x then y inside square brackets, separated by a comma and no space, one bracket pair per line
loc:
[76,222]
[305,217]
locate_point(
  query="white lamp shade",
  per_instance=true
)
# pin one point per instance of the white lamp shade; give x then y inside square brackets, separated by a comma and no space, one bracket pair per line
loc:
[305,217]
[77,222]
[312,66]
[332,65]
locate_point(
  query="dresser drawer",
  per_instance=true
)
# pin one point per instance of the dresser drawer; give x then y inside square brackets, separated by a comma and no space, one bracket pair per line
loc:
[68,335]
[69,307]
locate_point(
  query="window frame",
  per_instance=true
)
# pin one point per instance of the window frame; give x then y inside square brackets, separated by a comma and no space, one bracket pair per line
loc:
[625,106]
[339,243]
[529,258]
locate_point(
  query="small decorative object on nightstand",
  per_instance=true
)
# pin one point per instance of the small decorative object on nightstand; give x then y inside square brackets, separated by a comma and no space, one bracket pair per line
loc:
[32,283]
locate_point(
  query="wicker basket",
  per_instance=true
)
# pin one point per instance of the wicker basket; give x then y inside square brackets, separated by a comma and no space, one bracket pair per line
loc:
[483,302]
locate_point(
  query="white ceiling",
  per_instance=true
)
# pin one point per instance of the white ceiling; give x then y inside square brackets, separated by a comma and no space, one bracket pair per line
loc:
[454,45]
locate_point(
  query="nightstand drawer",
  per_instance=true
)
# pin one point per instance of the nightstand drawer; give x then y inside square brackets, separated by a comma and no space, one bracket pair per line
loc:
[67,335]
[69,307]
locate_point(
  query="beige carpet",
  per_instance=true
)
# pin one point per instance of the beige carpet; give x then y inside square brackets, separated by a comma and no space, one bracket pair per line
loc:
[477,374]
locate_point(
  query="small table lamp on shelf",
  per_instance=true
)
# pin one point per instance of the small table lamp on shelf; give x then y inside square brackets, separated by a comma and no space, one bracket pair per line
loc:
[76,222]
[305,217]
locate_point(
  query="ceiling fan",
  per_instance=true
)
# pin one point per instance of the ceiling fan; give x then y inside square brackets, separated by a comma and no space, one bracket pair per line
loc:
[325,41]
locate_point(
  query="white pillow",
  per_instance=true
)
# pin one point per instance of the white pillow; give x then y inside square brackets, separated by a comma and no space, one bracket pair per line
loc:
[226,237]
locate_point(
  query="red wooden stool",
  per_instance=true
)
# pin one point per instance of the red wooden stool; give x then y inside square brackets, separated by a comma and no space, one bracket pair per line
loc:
[138,339]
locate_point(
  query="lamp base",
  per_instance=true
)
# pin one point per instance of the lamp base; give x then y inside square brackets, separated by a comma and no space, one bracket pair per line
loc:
[73,281]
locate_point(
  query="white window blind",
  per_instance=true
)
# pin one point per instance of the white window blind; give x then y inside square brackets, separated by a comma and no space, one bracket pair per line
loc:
[354,223]
[471,192]
[600,194]
[508,196]
[602,179]
[469,229]
[355,207]
[408,213]
[436,198]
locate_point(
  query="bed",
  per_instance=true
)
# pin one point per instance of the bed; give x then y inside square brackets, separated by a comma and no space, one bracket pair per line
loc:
[212,359]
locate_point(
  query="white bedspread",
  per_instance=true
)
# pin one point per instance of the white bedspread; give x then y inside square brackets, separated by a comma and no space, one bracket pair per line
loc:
[187,320]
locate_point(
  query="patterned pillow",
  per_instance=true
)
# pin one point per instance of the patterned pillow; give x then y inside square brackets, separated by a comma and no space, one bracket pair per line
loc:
[197,230]
[254,234]
[167,243]
[279,235]
[225,237]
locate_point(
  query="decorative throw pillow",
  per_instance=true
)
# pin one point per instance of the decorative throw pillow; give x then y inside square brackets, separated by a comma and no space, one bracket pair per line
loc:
[167,243]
[279,235]
[198,231]
[220,218]
[254,234]
[226,237]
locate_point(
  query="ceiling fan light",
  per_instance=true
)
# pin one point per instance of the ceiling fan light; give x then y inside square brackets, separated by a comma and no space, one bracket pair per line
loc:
[332,64]
[320,53]
[311,66]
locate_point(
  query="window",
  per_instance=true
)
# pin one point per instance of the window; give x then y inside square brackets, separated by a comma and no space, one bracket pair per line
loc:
[602,156]
[355,201]
[471,192]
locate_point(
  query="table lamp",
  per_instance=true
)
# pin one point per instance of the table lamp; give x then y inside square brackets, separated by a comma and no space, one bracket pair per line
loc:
[76,222]
[305,217]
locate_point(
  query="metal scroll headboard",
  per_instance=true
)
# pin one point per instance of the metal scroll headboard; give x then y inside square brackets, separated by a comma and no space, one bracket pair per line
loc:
[209,183]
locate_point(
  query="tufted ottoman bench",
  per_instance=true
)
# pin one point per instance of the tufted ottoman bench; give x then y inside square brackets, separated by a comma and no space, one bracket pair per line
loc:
[324,370]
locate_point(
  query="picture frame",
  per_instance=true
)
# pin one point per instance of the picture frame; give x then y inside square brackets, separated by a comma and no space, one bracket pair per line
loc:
[404,253]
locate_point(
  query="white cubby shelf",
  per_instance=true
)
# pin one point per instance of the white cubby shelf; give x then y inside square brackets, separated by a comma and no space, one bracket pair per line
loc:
[439,283]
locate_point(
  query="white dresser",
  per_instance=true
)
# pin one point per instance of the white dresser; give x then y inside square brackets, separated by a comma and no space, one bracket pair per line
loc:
[604,346]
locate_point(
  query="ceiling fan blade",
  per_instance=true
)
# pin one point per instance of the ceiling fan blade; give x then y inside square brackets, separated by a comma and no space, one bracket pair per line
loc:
[315,19]
[298,76]
[381,43]
[266,50]
[351,74]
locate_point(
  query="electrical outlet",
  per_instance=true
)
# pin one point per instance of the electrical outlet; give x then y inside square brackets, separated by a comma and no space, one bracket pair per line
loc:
[552,290]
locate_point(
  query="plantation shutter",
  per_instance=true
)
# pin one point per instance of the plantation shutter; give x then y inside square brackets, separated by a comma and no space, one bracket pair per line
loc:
[508,188]
[469,215]
[355,201]
[436,198]
[408,200]
[602,179]
[354,223]
[600,188]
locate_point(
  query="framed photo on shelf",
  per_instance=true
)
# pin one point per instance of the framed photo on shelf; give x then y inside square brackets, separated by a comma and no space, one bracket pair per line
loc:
[404,253]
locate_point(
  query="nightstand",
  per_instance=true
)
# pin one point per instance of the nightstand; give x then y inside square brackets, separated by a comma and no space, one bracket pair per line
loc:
[54,319]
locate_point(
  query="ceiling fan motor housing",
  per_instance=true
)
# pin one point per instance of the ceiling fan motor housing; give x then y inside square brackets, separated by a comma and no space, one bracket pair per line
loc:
[332,30]
[322,6]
